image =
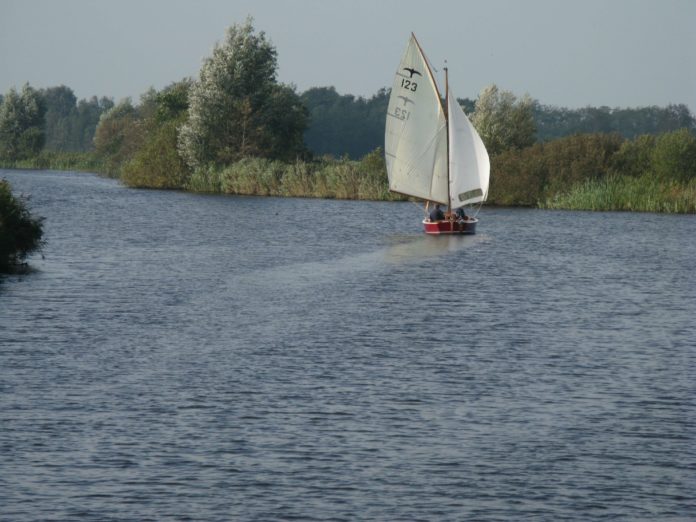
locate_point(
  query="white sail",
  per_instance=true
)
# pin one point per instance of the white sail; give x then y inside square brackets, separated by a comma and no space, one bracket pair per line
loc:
[468,159]
[415,140]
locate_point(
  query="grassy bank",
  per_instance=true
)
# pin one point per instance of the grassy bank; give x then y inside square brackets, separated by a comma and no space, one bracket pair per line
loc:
[642,194]
[583,172]
[326,178]
[48,160]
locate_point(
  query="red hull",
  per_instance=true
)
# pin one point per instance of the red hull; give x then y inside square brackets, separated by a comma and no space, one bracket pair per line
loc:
[450,227]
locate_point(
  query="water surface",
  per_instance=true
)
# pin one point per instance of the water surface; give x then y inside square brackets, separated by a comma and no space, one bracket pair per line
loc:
[193,357]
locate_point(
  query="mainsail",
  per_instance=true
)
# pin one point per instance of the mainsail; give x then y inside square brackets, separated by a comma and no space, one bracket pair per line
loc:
[430,154]
[415,142]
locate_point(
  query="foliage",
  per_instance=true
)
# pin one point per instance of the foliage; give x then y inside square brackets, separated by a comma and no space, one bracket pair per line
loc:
[634,158]
[502,121]
[20,232]
[237,109]
[157,164]
[325,178]
[47,159]
[645,193]
[21,124]
[527,176]
[344,124]
[674,156]
[555,122]
[70,125]
[119,135]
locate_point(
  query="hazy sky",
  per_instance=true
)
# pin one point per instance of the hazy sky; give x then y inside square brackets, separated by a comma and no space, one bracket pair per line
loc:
[620,53]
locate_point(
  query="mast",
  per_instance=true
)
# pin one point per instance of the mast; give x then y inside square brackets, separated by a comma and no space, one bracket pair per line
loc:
[446,109]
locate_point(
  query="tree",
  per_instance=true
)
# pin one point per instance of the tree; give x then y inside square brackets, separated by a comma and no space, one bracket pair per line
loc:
[237,108]
[502,121]
[21,124]
[119,135]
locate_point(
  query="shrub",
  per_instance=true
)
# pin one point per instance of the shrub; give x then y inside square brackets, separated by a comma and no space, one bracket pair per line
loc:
[20,232]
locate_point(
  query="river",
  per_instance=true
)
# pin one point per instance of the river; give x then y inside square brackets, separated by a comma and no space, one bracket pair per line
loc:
[176,356]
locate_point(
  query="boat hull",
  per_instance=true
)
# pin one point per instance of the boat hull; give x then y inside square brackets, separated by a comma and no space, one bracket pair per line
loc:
[454,227]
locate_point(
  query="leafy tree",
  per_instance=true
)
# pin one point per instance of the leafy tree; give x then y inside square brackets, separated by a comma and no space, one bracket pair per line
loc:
[21,124]
[157,163]
[503,121]
[20,232]
[60,109]
[237,109]
[84,126]
[119,135]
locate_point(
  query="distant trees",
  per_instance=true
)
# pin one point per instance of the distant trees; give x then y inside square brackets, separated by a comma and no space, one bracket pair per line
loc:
[237,108]
[21,124]
[20,232]
[70,125]
[555,122]
[344,124]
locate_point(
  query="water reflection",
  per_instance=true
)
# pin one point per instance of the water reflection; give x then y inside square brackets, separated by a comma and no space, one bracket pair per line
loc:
[423,247]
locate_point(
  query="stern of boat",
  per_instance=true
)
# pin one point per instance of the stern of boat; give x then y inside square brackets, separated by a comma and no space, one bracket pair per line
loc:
[446,226]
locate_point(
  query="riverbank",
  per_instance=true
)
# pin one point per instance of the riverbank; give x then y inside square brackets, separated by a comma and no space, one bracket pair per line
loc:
[578,173]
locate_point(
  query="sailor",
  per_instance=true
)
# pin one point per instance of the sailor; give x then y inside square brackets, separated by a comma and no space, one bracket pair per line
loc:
[437,214]
[461,214]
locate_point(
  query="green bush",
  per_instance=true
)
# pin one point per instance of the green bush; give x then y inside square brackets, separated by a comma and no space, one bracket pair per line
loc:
[674,156]
[157,163]
[20,232]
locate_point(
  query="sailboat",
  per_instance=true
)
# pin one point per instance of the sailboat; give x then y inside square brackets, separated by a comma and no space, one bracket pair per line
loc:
[432,150]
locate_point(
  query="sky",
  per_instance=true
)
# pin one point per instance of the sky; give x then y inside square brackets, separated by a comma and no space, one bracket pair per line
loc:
[567,53]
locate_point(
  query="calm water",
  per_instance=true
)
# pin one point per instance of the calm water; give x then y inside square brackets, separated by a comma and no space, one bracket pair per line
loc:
[192,357]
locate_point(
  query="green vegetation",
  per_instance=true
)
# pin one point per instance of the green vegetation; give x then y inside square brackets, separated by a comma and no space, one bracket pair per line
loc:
[21,124]
[649,174]
[20,232]
[643,194]
[237,109]
[236,130]
[343,124]
[502,121]
[325,178]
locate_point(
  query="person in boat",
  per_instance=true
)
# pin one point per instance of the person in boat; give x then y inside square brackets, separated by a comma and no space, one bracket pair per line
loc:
[437,214]
[461,214]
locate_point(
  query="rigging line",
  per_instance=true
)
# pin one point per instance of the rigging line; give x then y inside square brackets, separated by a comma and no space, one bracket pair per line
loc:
[425,212]
[478,209]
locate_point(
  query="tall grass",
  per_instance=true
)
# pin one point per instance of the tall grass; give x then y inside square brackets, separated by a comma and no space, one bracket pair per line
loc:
[325,178]
[641,194]
[50,160]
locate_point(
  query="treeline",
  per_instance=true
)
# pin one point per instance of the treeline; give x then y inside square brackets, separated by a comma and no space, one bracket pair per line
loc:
[345,125]
[600,172]
[348,125]
[236,129]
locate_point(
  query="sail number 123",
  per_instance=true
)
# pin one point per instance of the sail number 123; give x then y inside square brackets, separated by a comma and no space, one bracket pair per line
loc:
[408,84]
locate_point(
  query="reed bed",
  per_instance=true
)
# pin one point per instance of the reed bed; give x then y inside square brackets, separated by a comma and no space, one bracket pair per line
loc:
[637,194]
[327,178]
[49,160]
